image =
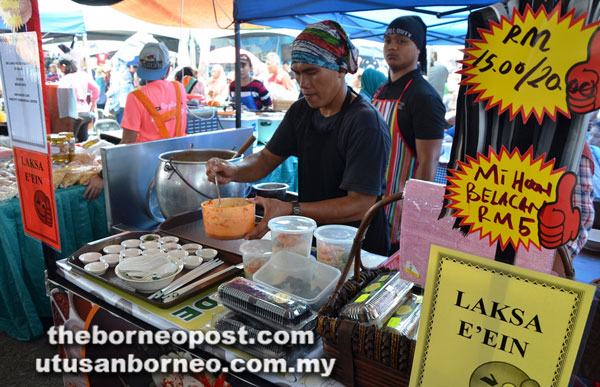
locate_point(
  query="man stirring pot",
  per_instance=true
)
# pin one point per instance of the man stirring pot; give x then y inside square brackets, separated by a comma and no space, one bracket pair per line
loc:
[341,141]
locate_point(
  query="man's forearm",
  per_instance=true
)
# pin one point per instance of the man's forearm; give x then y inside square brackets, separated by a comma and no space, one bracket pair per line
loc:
[252,168]
[339,210]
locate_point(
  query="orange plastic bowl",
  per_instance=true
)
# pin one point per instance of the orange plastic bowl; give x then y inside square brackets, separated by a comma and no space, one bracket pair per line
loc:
[233,220]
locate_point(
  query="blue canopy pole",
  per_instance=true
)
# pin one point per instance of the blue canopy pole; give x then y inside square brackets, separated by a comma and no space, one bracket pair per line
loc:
[238,76]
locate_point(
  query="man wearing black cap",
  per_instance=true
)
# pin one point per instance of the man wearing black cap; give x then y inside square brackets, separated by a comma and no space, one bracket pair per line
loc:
[413,110]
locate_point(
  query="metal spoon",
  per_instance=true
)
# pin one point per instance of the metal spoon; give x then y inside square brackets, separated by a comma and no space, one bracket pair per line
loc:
[218,192]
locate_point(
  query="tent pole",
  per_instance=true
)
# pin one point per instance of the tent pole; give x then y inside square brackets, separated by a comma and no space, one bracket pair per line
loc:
[238,77]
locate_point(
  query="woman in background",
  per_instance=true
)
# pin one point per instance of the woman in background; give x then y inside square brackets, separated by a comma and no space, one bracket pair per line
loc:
[370,82]
[217,87]
[82,83]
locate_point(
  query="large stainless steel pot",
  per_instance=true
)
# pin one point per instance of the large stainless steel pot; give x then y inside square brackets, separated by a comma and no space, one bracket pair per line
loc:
[178,170]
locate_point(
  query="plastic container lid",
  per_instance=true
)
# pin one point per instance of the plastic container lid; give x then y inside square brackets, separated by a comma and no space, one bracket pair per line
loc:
[256,247]
[292,224]
[336,233]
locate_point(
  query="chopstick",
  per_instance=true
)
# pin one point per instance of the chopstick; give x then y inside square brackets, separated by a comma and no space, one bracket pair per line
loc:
[200,270]
[173,295]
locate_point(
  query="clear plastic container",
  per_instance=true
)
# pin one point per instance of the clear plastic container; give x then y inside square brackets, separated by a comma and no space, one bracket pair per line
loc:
[274,308]
[255,254]
[376,302]
[230,321]
[292,233]
[333,244]
[304,278]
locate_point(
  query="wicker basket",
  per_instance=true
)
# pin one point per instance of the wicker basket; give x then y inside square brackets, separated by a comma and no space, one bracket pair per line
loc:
[366,355]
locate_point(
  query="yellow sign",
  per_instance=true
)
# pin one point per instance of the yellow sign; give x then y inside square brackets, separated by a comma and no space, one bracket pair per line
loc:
[15,13]
[501,195]
[486,324]
[521,64]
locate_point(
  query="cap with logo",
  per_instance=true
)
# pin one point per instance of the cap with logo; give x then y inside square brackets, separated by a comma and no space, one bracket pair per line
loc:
[153,62]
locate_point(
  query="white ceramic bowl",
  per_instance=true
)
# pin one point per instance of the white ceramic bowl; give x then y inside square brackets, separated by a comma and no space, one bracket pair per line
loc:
[111,259]
[192,261]
[169,239]
[167,247]
[113,249]
[130,253]
[97,268]
[176,256]
[150,285]
[89,257]
[151,251]
[149,237]
[207,253]
[191,248]
[149,245]
[131,243]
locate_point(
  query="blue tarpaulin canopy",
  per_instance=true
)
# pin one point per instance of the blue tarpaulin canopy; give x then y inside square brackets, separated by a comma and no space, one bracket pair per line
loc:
[446,19]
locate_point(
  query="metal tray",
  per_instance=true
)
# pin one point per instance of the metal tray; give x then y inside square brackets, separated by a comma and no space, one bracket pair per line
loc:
[111,278]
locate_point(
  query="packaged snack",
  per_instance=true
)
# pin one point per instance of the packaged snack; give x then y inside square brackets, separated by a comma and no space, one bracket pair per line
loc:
[230,321]
[277,309]
[378,300]
[406,316]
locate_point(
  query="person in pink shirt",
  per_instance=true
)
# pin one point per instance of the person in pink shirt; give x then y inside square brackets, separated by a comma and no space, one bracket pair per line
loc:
[157,110]
[154,112]
[86,94]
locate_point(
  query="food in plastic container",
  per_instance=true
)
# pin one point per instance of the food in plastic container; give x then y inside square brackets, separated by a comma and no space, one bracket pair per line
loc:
[233,220]
[255,254]
[405,319]
[276,309]
[292,233]
[230,321]
[374,304]
[334,243]
[308,280]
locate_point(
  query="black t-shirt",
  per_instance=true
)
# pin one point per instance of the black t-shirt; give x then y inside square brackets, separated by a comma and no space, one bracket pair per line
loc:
[421,113]
[348,151]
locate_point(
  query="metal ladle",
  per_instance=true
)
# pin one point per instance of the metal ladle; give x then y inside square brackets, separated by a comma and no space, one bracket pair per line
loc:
[237,154]
[218,192]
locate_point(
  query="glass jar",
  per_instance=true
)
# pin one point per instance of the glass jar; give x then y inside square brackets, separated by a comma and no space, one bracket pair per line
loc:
[71,141]
[59,148]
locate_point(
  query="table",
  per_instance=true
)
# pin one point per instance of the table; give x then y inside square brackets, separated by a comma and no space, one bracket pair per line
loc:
[23,299]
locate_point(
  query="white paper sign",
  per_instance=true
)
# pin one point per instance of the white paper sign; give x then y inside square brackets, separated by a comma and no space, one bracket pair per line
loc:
[22,88]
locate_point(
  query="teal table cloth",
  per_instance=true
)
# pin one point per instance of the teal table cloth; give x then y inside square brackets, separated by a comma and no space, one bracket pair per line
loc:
[23,299]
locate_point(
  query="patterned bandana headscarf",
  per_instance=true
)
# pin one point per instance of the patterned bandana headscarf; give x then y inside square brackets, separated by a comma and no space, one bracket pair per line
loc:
[325,44]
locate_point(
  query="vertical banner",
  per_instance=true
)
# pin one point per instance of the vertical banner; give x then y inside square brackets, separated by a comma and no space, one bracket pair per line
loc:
[36,192]
[23,97]
[489,324]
